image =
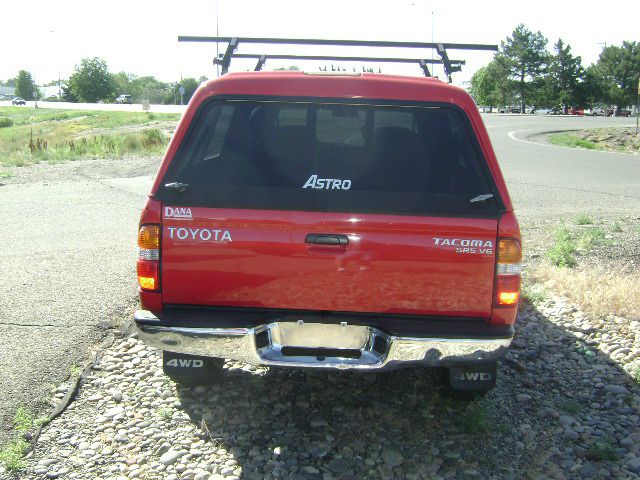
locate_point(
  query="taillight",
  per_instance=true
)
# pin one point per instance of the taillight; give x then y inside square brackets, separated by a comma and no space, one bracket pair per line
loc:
[149,257]
[508,268]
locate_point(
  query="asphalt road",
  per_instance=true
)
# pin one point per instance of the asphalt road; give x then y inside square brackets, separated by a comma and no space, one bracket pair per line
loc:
[548,181]
[68,244]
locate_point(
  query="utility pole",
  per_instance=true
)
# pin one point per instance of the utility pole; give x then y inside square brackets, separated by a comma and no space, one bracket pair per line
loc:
[637,106]
[217,35]
[432,23]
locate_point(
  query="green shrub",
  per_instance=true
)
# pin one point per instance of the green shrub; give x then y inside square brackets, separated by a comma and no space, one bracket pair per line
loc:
[533,293]
[584,219]
[591,237]
[5,122]
[562,252]
[12,455]
[603,449]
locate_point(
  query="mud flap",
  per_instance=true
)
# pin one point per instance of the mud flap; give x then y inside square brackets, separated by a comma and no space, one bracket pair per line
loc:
[179,365]
[477,377]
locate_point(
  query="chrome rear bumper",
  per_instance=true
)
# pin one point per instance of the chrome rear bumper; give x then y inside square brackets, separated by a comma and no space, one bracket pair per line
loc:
[318,345]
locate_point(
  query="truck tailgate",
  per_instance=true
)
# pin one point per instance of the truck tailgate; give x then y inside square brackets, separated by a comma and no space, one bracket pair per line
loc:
[394,264]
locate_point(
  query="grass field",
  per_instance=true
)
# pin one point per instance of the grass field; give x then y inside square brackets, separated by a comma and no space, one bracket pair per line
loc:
[47,135]
[618,139]
[572,140]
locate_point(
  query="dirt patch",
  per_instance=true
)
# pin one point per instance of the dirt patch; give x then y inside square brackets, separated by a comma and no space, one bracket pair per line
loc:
[606,271]
[126,167]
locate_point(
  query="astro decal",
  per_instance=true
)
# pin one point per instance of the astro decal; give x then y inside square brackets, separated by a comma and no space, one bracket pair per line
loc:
[180,213]
[327,183]
[200,234]
[466,245]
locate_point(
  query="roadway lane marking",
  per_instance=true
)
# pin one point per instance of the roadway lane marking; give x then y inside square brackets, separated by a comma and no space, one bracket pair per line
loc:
[512,136]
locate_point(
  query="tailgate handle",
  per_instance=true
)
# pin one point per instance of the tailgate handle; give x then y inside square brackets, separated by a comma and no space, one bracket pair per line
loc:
[327,239]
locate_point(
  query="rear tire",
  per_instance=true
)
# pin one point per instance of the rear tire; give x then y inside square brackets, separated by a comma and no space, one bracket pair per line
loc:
[191,370]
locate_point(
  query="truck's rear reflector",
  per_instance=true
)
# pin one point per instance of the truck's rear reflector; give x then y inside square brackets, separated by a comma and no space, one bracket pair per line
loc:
[148,257]
[508,267]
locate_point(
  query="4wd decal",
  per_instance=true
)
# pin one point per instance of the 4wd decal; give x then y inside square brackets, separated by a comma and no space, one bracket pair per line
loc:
[185,363]
[327,183]
[183,213]
[466,245]
[202,234]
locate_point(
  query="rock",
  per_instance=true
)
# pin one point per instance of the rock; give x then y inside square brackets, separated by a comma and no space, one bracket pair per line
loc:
[170,457]
[571,434]
[634,465]
[616,389]
[627,442]
[112,412]
[393,458]
[311,469]
[587,470]
[318,423]
[523,397]
[339,466]
[566,420]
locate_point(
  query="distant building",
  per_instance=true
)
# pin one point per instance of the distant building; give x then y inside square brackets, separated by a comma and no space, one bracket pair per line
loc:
[51,91]
[8,91]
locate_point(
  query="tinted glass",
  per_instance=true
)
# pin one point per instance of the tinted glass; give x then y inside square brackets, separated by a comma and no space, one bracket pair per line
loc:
[330,157]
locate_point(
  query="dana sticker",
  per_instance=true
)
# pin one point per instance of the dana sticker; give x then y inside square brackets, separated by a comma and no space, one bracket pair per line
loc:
[327,183]
[180,213]
[199,234]
[465,245]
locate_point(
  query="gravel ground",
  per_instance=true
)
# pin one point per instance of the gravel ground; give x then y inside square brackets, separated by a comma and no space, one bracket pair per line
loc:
[566,406]
[71,171]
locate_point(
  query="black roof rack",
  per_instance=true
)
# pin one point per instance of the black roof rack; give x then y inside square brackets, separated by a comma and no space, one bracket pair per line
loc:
[450,66]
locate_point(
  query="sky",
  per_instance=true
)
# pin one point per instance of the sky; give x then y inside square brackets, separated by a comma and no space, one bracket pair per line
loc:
[140,36]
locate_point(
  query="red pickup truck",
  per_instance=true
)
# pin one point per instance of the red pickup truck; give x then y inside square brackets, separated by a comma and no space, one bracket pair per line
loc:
[329,221]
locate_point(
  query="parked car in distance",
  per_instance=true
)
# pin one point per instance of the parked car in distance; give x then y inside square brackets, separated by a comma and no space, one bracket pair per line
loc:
[18,101]
[287,223]
[598,112]
[124,99]
[576,111]
[623,112]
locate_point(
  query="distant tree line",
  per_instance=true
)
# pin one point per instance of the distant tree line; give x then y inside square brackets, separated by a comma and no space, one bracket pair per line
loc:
[92,82]
[525,73]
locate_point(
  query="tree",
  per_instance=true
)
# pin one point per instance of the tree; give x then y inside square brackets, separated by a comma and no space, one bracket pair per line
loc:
[490,85]
[25,86]
[190,86]
[565,71]
[123,82]
[92,82]
[620,66]
[525,57]
[593,90]
[68,96]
